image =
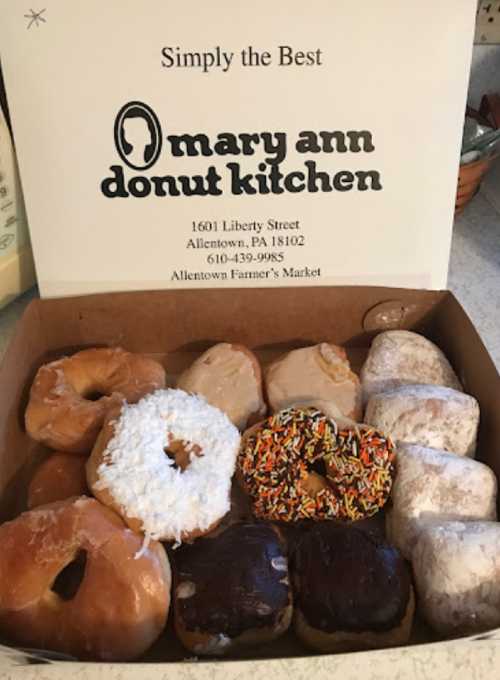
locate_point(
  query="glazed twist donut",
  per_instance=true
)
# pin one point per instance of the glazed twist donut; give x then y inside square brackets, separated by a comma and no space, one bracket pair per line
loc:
[122,603]
[61,411]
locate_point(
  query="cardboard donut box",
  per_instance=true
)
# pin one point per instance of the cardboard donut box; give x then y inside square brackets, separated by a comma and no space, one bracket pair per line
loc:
[174,327]
[234,173]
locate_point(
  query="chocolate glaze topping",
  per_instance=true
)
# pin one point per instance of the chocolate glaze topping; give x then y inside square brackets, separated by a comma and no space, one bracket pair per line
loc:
[233,582]
[349,580]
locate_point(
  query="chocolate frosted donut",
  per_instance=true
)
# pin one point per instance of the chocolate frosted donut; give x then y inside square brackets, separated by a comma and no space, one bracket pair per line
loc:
[232,590]
[352,591]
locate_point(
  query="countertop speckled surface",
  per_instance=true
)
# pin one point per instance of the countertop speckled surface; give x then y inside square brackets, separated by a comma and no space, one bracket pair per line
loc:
[474,274]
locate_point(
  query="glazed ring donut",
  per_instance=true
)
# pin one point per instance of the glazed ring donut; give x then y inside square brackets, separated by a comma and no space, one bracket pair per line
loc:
[299,465]
[61,411]
[165,465]
[121,604]
[60,476]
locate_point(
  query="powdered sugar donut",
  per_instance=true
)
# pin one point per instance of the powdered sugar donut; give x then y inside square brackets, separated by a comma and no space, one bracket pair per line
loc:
[165,465]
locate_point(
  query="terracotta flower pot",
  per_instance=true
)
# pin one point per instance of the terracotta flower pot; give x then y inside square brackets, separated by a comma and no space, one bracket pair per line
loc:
[469,179]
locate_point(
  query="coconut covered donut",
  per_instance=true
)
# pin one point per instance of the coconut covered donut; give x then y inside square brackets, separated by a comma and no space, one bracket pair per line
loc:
[113,610]
[165,465]
[300,464]
[70,397]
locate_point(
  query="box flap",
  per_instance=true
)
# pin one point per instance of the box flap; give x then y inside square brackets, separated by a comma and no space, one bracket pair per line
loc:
[227,144]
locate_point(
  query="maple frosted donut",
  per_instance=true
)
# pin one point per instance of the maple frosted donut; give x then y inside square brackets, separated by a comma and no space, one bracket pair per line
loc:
[165,465]
[300,464]
[312,374]
[70,397]
[230,378]
[113,612]
[60,476]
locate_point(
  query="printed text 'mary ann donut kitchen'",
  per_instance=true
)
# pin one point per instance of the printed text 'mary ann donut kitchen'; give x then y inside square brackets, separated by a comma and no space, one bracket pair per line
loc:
[269,149]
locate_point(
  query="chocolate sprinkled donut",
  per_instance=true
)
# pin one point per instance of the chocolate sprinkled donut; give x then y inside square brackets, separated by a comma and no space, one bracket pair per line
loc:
[299,465]
[360,470]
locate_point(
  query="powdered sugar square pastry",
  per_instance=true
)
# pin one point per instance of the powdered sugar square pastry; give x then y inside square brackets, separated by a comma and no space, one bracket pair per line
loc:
[434,416]
[456,566]
[229,377]
[403,357]
[311,375]
[432,484]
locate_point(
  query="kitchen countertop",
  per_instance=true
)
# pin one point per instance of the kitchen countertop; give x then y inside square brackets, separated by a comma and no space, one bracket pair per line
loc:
[474,275]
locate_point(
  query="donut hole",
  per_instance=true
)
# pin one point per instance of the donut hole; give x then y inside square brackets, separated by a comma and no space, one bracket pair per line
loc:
[319,467]
[180,452]
[94,395]
[67,582]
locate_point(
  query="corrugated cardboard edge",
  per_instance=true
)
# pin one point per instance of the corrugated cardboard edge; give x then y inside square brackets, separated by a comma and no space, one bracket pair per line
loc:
[435,661]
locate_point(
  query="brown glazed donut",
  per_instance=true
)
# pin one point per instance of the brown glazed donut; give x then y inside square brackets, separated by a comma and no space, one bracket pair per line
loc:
[229,377]
[60,476]
[232,590]
[70,397]
[121,604]
[352,591]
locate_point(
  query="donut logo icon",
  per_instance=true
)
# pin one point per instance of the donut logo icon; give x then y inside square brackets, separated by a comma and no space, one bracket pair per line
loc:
[138,135]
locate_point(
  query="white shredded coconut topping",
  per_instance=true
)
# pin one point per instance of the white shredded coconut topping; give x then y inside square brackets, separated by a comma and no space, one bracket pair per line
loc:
[215,645]
[144,481]
[144,547]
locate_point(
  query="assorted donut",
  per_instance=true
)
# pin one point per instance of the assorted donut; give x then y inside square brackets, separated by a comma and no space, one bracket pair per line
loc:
[70,397]
[246,495]
[281,459]
[119,608]
[165,465]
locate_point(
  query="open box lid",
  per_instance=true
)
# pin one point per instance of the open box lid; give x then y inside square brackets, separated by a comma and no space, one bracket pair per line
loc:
[319,141]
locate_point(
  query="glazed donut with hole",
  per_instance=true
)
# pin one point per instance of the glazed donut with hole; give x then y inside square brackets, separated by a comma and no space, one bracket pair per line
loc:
[113,613]
[70,397]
